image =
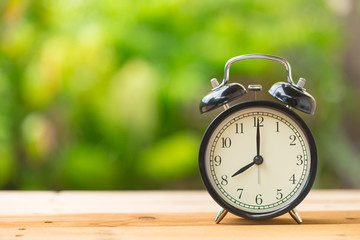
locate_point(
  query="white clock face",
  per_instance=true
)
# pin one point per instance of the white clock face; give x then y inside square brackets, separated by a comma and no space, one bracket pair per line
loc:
[281,168]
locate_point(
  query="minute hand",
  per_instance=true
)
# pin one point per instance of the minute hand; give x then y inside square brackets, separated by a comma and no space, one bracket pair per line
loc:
[258,139]
[243,169]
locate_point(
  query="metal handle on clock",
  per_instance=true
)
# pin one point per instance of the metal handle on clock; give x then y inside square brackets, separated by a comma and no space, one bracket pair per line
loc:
[257,56]
[291,94]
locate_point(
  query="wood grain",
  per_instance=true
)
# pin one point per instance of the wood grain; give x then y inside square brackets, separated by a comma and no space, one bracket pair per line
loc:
[331,214]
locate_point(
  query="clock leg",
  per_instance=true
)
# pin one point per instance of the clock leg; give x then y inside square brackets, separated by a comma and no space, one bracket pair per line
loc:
[295,215]
[221,214]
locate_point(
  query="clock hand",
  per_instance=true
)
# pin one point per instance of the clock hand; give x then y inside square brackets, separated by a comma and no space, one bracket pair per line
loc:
[243,169]
[258,146]
[258,139]
[257,159]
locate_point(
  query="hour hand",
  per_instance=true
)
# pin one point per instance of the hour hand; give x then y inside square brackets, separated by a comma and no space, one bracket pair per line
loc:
[243,169]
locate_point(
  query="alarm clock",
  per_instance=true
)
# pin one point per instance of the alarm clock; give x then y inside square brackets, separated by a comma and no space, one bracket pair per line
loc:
[258,159]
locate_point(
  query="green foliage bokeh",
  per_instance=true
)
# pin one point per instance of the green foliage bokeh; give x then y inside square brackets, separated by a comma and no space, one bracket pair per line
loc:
[105,94]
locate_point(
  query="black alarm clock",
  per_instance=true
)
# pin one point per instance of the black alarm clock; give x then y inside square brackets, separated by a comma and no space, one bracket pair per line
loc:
[258,159]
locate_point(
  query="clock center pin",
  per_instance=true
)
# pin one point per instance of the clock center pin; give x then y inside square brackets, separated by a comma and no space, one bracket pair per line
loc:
[258,160]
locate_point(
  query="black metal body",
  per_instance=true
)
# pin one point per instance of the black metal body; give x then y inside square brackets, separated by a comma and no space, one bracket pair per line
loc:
[309,139]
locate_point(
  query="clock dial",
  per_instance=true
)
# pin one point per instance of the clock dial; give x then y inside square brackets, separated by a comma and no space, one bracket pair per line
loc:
[257,159]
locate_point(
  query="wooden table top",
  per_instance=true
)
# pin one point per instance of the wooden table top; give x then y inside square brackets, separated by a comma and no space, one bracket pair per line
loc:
[326,214]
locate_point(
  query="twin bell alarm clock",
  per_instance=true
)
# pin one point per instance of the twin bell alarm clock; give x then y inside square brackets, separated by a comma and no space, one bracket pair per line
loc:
[257,158]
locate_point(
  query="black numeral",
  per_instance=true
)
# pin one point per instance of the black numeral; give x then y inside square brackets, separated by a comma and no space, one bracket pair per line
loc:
[226,142]
[292,179]
[300,160]
[258,199]
[279,194]
[217,160]
[293,139]
[277,127]
[241,191]
[239,128]
[224,180]
[260,120]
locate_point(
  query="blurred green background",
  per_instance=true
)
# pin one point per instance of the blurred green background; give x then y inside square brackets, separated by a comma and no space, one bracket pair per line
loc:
[105,94]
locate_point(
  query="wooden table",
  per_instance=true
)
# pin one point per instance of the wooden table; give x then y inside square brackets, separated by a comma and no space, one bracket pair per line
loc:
[326,214]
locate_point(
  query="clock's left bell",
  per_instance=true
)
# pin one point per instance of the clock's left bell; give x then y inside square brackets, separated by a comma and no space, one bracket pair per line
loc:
[221,95]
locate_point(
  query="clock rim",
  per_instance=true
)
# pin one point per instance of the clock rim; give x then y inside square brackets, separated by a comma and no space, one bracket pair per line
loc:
[313,153]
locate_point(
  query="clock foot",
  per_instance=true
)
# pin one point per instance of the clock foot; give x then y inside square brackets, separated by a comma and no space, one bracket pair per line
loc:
[221,214]
[295,215]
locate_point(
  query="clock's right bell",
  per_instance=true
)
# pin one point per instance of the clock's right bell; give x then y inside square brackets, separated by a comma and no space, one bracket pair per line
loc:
[294,96]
